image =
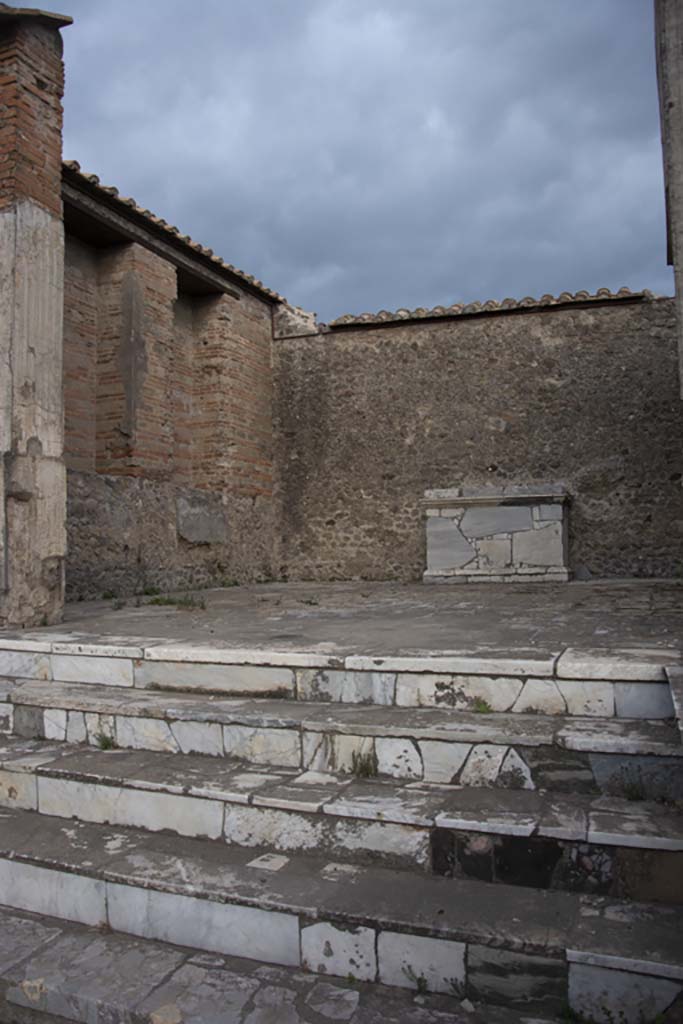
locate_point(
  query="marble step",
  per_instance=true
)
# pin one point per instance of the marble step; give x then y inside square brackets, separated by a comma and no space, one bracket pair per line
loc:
[564,753]
[582,843]
[626,683]
[522,946]
[87,976]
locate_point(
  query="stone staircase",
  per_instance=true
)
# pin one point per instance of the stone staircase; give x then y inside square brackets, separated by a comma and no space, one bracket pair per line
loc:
[496,829]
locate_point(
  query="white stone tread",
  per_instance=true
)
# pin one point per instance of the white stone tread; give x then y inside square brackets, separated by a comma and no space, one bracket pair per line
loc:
[451,725]
[113,874]
[164,791]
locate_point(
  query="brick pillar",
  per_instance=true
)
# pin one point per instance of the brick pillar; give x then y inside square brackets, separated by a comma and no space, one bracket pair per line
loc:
[135,410]
[232,423]
[32,475]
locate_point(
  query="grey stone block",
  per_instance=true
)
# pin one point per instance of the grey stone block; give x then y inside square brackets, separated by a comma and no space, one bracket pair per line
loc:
[485,521]
[447,548]
[539,547]
[200,518]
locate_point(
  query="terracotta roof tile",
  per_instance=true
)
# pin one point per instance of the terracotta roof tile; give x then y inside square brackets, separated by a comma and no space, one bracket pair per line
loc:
[492,306]
[74,170]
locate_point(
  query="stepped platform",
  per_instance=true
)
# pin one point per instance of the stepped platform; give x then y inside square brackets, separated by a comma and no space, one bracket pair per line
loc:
[464,795]
[67,971]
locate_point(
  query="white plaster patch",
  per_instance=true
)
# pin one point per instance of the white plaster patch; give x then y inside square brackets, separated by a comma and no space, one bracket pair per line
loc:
[420,962]
[329,950]
[387,838]
[398,758]
[281,830]
[483,765]
[263,746]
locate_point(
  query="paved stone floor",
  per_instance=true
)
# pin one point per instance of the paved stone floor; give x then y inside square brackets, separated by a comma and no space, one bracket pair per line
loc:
[389,618]
[55,970]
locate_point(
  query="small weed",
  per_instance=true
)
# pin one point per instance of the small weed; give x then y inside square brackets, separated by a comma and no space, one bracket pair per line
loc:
[457,988]
[105,741]
[228,582]
[190,601]
[108,595]
[418,980]
[351,978]
[633,786]
[365,766]
[186,601]
[151,591]
[481,706]
[118,604]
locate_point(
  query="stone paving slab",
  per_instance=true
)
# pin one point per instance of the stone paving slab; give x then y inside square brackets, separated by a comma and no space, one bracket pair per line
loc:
[323,622]
[93,978]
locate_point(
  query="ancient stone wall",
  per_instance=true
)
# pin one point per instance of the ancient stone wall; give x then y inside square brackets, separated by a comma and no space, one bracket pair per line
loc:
[369,418]
[168,426]
[129,534]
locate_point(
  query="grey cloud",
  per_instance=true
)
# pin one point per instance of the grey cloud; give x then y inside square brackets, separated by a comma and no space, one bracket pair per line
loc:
[367,154]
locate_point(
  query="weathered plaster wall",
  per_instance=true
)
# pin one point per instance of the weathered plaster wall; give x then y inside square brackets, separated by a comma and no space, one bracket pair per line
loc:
[367,419]
[168,427]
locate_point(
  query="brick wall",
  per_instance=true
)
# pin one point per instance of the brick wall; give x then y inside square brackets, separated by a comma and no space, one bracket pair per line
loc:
[31,87]
[80,354]
[233,396]
[173,390]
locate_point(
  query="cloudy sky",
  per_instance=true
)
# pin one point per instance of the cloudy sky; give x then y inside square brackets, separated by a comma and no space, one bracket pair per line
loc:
[367,154]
